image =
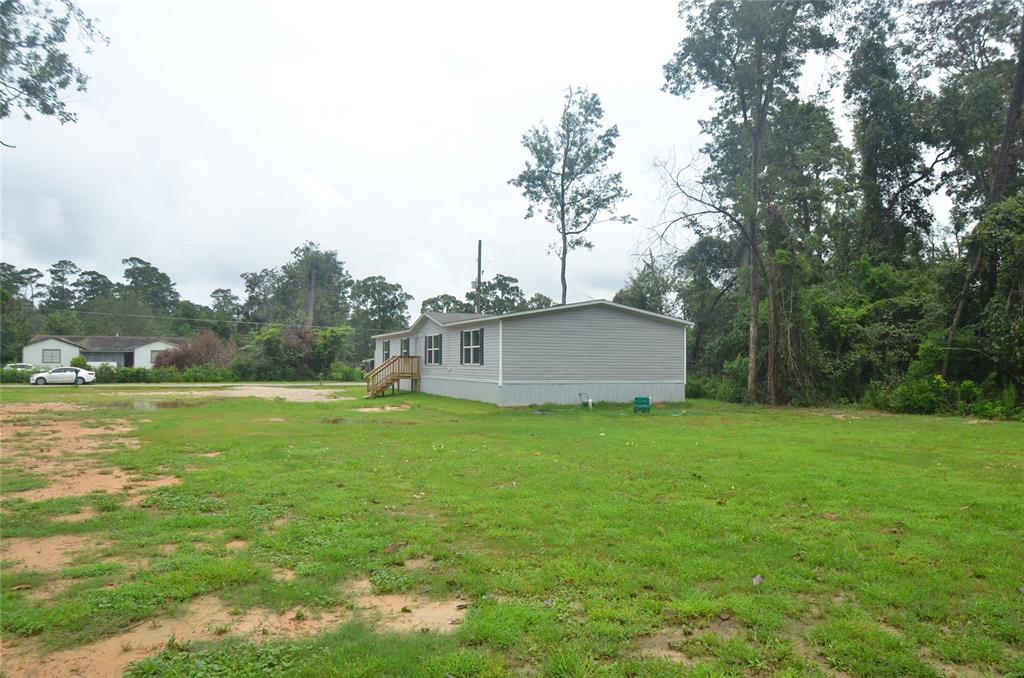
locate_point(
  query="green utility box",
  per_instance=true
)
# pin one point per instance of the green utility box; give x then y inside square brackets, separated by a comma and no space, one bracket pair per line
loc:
[642,404]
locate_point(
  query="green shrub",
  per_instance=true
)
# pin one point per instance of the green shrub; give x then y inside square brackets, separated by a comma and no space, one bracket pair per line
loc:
[923,396]
[12,376]
[105,374]
[933,395]
[80,361]
[205,373]
[343,372]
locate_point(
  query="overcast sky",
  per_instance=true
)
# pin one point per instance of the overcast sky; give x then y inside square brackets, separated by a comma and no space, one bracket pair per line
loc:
[217,136]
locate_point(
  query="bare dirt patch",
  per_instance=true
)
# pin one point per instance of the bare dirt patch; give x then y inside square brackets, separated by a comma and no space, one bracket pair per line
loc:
[78,484]
[87,513]
[205,619]
[34,408]
[406,612]
[385,408]
[48,591]
[46,553]
[81,482]
[811,655]
[210,455]
[667,644]
[418,564]
[237,544]
[283,574]
[671,644]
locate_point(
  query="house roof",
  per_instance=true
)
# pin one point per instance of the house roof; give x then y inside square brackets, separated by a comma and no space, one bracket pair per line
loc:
[448,318]
[109,344]
[474,318]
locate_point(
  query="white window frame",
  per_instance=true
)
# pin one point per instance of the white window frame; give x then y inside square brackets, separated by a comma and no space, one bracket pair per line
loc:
[50,351]
[471,344]
[153,355]
[404,346]
[386,345]
[433,348]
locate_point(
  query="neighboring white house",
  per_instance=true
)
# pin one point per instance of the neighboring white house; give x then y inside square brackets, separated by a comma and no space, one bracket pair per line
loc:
[594,349]
[57,351]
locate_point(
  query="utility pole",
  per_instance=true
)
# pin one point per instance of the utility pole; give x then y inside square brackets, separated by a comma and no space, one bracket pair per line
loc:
[311,297]
[479,270]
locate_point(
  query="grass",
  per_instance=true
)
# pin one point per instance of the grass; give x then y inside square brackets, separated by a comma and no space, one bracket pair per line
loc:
[888,545]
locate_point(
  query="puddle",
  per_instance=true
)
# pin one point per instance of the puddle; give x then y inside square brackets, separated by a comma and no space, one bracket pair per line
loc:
[408,613]
[288,393]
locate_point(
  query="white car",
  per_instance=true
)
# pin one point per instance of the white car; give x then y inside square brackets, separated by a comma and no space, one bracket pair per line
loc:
[63,375]
[19,366]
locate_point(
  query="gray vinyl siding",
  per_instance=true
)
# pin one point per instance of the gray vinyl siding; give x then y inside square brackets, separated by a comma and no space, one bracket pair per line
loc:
[592,344]
[571,393]
[449,367]
[608,354]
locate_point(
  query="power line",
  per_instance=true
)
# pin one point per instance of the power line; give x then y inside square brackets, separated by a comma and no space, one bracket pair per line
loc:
[388,253]
[376,235]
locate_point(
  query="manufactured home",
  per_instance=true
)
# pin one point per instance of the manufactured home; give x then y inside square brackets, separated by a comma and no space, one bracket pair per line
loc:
[596,350]
[58,350]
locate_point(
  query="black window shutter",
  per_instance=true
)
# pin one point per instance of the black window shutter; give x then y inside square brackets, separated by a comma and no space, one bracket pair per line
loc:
[440,354]
[462,347]
[481,346]
[426,349]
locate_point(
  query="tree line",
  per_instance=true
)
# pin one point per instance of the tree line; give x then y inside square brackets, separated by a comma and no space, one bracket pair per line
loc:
[816,265]
[313,290]
[816,269]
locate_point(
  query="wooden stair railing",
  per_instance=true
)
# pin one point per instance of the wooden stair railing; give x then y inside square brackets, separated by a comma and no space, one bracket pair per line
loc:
[390,372]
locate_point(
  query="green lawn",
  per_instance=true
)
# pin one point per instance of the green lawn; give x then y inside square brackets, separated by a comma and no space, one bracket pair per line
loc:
[584,542]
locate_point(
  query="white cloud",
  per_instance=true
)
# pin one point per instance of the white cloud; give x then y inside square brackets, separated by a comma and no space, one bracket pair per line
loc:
[217,136]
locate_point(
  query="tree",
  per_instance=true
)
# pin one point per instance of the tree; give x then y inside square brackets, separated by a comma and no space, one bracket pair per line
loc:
[259,295]
[60,294]
[153,286]
[751,52]
[63,322]
[538,301]
[445,303]
[500,294]
[649,289]
[314,282]
[377,306]
[225,302]
[92,285]
[887,107]
[978,112]
[36,72]
[14,330]
[567,177]
[205,348]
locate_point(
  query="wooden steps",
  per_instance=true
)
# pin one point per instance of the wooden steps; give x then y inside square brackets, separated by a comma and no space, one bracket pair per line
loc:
[389,373]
